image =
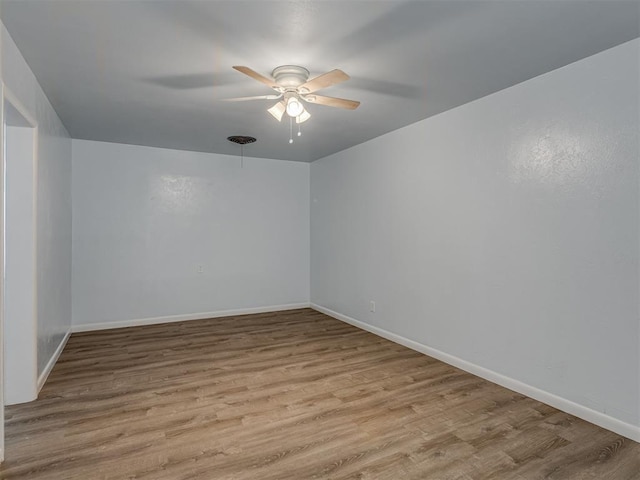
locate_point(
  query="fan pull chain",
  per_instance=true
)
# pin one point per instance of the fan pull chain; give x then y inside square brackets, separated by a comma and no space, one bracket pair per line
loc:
[241,156]
[290,129]
[299,127]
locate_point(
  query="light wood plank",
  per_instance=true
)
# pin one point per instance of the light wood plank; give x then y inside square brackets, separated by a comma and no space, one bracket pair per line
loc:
[288,395]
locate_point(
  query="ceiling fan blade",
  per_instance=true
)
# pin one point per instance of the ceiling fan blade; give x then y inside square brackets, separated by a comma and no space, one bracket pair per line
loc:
[323,81]
[258,97]
[332,101]
[278,110]
[256,76]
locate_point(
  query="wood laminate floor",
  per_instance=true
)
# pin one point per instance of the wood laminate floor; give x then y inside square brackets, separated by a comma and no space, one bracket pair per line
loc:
[289,395]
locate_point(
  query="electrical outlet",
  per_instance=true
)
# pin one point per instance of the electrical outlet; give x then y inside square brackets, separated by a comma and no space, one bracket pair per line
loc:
[372,306]
[200,269]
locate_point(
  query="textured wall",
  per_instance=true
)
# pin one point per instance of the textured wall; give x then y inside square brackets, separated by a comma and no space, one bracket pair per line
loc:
[503,232]
[53,203]
[20,333]
[146,219]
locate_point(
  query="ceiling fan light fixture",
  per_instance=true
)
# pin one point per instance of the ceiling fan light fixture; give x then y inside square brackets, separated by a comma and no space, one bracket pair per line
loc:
[303,117]
[277,110]
[292,84]
[294,106]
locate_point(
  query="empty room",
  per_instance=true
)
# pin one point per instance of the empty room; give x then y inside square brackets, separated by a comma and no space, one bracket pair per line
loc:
[320,239]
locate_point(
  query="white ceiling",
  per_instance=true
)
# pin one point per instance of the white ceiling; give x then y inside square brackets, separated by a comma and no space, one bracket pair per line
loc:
[153,72]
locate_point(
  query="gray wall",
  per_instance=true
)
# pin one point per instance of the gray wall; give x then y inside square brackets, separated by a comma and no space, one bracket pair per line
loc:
[503,233]
[53,211]
[20,329]
[146,219]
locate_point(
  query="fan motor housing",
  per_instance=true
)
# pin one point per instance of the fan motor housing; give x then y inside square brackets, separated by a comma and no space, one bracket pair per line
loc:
[290,76]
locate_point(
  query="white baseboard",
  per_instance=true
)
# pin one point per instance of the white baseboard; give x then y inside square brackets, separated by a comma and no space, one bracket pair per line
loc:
[605,421]
[88,327]
[52,361]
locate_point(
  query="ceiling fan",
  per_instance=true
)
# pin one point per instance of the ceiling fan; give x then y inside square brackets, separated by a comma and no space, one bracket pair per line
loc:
[293,86]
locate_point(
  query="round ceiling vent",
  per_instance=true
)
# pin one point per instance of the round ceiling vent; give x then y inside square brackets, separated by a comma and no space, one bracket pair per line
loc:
[241,139]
